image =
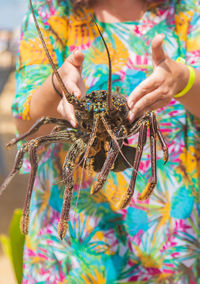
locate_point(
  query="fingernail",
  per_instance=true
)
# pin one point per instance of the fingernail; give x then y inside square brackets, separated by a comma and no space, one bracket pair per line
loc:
[73,123]
[130,104]
[75,50]
[162,36]
[131,116]
[77,94]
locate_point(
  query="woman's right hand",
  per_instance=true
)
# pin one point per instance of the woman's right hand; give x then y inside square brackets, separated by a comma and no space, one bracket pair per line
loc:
[45,101]
[70,73]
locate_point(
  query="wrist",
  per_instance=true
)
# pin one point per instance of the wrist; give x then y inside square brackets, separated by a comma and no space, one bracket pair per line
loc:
[188,75]
[182,78]
[44,102]
[55,83]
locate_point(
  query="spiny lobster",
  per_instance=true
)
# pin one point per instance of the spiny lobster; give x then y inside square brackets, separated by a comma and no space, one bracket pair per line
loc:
[98,141]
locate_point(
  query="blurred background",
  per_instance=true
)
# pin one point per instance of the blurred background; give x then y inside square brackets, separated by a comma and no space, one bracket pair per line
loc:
[11,15]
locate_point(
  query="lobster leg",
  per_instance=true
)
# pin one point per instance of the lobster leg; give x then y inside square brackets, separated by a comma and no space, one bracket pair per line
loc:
[26,210]
[42,121]
[74,152]
[16,168]
[151,117]
[141,142]
[32,146]
[162,142]
[102,176]
[153,180]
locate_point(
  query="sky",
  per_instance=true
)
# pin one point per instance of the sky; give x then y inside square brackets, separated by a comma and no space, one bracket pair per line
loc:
[11,13]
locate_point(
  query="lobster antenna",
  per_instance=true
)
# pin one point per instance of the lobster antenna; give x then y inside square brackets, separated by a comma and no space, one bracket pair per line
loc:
[109,97]
[64,89]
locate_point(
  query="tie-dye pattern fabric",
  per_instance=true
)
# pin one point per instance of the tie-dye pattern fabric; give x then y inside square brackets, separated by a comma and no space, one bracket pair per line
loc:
[154,241]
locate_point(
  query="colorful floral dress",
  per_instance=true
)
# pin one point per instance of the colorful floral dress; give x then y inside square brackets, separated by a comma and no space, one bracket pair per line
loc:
[153,241]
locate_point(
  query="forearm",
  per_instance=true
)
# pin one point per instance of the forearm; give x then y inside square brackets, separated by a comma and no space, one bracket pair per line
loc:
[44,102]
[191,100]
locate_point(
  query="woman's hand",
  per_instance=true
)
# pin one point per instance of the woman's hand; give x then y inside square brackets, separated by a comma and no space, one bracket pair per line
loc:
[168,78]
[70,73]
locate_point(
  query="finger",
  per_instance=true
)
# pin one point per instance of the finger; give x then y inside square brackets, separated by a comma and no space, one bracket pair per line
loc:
[158,104]
[73,88]
[82,88]
[148,102]
[147,86]
[158,54]
[67,111]
[76,58]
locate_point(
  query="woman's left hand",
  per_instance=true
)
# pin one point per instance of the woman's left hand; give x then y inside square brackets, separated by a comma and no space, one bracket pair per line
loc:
[168,78]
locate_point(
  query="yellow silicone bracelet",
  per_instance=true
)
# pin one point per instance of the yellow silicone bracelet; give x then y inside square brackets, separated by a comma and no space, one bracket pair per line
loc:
[189,84]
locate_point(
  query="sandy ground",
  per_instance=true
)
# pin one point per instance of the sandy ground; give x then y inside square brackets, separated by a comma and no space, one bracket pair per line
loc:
[13,197]
[7,276]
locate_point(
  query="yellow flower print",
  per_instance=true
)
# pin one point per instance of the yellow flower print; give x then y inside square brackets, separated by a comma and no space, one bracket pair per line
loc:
[99,237]
[82,30]
[147,260]
[182,21]
[62,154]
[80,35]
[96,277]
[164,211]
[119,55]
[81,17]
[59,26]
[106,248]
[162,277]
[99,197]
[32,51]
[189,168]
[26,106]
[88,226]
[188,162]
[32,245]
[80,173]
[37,259]
[193,44]
[114,191]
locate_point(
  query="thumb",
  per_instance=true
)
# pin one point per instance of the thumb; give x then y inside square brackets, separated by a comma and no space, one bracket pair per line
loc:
[158,54]
[73,88]
[67,111]
[76,58]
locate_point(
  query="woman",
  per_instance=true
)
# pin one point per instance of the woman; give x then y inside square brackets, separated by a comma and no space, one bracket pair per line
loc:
[150,241]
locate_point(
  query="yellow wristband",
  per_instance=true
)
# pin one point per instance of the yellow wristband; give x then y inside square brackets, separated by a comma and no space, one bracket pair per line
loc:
[189,84]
